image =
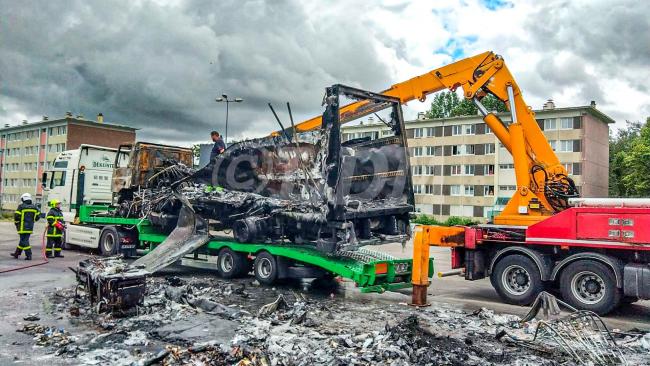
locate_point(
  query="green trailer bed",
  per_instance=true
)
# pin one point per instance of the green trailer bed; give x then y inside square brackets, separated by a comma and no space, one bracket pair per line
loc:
[370,270]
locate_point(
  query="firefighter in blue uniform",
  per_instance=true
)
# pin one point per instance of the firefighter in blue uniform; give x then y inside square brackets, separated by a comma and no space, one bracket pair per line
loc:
[24,217]
[55,228]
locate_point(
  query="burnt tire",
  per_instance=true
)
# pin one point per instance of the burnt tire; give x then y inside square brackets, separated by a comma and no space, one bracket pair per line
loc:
[109,240]
[517,279]
[265,268]
[590,285]
[231,264]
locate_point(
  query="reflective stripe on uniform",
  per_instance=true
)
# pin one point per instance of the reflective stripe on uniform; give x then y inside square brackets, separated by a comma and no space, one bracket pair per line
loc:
[22,220]
[25,248]
[55,233]
[48,249]
[57,249]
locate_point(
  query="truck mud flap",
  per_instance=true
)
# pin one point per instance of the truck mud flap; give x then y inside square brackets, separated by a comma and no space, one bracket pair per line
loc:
[190,233]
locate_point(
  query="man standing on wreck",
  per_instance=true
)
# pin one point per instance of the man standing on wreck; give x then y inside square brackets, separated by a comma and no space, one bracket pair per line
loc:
[219,145]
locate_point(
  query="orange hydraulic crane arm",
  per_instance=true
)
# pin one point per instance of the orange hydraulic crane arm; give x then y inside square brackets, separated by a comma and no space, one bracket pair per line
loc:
[543,186]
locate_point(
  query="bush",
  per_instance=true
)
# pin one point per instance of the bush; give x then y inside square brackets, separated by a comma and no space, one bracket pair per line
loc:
[423,219]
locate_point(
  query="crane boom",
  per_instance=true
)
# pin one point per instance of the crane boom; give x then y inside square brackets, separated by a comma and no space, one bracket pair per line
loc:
[543,186]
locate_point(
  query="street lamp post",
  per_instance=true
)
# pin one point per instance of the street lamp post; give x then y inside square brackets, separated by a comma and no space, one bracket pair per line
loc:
[224,99]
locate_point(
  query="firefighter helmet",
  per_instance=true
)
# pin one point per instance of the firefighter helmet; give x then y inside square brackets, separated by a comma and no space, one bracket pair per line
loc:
[53,203]
[26,197]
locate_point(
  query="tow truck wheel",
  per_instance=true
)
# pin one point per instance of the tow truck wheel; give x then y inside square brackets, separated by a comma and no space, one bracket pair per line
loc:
[108,241]
[517,280]
[231,264]
[590,285]
[265,268]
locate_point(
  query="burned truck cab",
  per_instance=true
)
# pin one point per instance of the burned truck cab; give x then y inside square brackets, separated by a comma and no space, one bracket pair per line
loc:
[313,188]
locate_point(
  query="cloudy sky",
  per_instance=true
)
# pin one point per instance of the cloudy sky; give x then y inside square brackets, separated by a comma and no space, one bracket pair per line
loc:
[158,65]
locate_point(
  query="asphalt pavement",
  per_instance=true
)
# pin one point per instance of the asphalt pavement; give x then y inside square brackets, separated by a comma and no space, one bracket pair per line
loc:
[23,292]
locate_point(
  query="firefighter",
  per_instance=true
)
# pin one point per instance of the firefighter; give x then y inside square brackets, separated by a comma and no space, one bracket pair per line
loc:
[24,217]
[55,228]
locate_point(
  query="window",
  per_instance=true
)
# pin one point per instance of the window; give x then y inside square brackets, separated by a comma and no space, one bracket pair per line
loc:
[488,169]
[418,133]
[417,151]
[386,132]
[454,190]
[469,190]
[469,169]
[469,149]
[490,149]
[506,166]
[568,167]
[430,132]
[507,188]
[428,189]
[417,170]
[488,190]
[553,144]
[456,130]
[417,189]
[550,124]
[429,170]
[488,130]
[456,210]
[566,123]
[430,150]
[565,146]
[456,170]
[58,179]
[456,149]
[469,129]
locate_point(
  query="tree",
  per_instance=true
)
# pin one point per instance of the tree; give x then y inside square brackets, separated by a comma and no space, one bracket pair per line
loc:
[636,163]
[619,146]
[448,104]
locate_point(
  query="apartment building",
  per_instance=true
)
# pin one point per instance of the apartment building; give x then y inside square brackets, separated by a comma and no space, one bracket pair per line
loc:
[28,149]
[460,169]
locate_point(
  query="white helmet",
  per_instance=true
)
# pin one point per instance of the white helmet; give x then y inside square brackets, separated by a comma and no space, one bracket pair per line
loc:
[26,197]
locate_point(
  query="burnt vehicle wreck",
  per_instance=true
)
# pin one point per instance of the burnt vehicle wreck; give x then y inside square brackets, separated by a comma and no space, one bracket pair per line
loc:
[313,188]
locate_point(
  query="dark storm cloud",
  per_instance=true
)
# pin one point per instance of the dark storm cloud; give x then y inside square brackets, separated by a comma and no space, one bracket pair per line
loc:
[586,44]
[159,67]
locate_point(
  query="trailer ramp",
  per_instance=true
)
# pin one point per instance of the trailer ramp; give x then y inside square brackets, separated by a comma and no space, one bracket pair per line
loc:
[190,233]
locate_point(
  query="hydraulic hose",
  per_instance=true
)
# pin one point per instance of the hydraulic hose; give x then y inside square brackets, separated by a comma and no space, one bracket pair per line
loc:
[44,257]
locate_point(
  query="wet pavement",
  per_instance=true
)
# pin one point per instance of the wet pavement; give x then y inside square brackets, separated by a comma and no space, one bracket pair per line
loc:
[188,307]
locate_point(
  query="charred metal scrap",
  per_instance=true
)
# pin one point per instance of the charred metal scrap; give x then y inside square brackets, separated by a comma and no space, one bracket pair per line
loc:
[312,188]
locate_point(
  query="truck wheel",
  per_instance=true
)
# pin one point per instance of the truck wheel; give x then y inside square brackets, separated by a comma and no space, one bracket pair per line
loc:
[517,280]
[590,285]
[231,264]
[108,241]
[265,268]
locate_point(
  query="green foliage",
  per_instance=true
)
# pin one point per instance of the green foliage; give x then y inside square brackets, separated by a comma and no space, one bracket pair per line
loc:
[448,104]
[635,169]
[451,221]
[620,145]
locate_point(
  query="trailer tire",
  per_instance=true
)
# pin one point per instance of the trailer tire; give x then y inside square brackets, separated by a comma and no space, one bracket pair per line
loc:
[231,264]
[265,268]
[590,285]
[109,240]
[517,279]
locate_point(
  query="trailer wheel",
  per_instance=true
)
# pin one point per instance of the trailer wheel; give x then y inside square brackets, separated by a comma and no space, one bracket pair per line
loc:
[231,264]
[265,268]
[517,280]
[590,285]
[108,241]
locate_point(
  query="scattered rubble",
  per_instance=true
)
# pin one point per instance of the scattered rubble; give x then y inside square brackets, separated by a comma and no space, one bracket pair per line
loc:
[206,321]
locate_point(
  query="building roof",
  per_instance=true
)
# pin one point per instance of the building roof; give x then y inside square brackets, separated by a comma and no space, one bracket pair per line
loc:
[587,109]
[75,120]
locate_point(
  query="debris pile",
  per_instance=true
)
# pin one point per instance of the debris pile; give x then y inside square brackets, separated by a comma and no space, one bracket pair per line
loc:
[45,336]
[205,321]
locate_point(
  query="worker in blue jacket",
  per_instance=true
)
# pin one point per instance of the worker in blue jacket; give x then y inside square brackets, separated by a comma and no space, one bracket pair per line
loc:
[25,216]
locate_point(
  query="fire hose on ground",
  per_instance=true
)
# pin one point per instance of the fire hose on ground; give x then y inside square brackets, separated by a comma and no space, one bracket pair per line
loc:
[33,264]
